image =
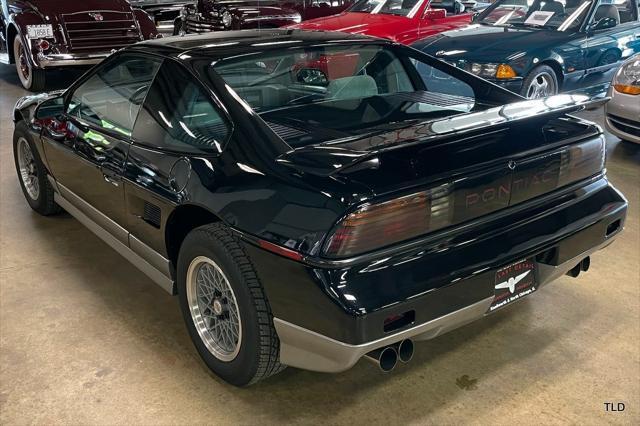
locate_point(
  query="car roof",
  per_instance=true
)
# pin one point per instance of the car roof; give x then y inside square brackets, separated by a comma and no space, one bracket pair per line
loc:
[222,44]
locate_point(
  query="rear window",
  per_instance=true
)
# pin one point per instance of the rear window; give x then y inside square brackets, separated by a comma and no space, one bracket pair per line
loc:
[310,95]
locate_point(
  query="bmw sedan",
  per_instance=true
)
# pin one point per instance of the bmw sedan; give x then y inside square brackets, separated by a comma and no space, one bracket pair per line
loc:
[540,48]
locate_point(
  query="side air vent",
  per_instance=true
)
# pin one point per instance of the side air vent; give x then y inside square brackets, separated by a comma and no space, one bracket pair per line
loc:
[151,214]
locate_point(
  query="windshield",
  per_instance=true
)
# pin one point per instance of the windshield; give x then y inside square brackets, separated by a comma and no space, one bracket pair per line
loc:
[406,8]
[560,15]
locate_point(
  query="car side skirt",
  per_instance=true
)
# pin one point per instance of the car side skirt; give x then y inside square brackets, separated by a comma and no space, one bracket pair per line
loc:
[154,265]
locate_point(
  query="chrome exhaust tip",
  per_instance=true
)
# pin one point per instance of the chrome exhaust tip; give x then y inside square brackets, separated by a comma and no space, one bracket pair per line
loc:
[385,358]
[405,350]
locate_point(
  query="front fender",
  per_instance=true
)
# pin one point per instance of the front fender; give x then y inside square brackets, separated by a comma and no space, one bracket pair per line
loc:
[18,22]
[146,24]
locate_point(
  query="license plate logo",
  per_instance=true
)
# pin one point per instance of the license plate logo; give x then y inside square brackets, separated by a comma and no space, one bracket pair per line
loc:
[514,282]
[39,31]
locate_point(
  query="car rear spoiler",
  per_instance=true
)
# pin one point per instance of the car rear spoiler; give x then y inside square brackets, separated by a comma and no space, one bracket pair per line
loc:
[364,151]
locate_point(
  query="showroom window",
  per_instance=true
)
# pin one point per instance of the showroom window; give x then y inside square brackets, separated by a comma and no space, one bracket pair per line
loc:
[111,97]
[179,115]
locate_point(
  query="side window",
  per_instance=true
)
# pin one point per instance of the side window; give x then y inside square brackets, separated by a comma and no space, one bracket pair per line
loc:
[620,11]
[111,98]
[179,115]
[460,94]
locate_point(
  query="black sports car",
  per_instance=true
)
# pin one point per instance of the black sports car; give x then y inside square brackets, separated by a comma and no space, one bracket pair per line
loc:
[315,197]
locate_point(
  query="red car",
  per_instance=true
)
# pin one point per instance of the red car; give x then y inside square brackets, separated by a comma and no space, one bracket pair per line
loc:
[404,21]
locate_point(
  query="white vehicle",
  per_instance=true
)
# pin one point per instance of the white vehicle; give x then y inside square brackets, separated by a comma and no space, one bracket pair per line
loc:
[622,112]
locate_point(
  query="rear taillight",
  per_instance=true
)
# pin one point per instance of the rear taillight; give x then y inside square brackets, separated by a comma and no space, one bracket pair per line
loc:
[377,225]
[373,226]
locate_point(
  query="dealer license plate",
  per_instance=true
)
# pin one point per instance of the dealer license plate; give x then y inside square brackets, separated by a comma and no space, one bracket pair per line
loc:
[39,31]
[514,282]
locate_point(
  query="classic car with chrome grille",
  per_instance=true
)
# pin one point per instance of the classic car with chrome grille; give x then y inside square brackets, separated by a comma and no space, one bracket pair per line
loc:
[223,15]
[314,198]
[38,35]
[163,12]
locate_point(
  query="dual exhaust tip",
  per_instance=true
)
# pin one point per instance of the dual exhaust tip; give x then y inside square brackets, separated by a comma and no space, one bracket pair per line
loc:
[387,357]
[583,266]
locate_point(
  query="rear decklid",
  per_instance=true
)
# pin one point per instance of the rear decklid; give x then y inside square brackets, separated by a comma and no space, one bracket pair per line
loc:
[435,174]
[446,145]
[445,172]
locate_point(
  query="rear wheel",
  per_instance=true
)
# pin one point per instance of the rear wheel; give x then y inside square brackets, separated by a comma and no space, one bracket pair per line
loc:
[540,83]
[31,78]
[32,173]
[225,308]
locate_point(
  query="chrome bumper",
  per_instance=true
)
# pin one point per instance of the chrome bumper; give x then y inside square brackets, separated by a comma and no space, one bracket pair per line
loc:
[308,350]
[70,59]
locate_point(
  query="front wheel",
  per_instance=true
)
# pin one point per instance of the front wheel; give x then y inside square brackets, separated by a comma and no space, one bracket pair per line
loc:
[32,79]
[225,308]
[540,83]
[32,173]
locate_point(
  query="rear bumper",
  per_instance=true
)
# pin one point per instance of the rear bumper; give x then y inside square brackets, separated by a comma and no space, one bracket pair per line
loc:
[328,315]
[70,60]
[308,350]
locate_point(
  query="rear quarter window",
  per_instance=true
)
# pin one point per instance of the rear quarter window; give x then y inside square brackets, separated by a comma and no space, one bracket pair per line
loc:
[180,115]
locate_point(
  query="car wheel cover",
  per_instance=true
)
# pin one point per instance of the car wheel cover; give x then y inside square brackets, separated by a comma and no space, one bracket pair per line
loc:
[542,85]
[214,308]
[28,169]
[23,66]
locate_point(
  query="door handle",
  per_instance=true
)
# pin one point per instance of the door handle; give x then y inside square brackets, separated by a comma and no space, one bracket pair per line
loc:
[111,177]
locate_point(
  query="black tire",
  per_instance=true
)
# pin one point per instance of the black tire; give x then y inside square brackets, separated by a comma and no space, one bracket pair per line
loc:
[31,78]
[258,355]
[44,203]
[535,77]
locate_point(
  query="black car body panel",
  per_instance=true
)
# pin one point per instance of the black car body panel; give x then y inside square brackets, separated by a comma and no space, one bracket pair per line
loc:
[530,185]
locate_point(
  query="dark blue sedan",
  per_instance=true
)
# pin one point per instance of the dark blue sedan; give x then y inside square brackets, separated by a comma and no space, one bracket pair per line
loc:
[539,48]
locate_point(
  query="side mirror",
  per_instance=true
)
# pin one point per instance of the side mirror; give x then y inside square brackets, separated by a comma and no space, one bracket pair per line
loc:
[46,117]
[50,108]
[604,24]
[312,76]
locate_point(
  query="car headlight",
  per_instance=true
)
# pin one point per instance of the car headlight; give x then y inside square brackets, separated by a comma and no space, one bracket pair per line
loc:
[226,18]
[627,79]
[500,71]
[297,18]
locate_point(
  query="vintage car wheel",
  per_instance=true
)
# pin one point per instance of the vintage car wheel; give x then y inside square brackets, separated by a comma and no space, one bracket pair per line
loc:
[32,173]
[31,78]
[540,83]
[225,308]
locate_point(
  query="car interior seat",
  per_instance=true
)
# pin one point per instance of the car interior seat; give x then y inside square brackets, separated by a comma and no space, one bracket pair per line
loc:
[607,11]
[358,86]
[553,6]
